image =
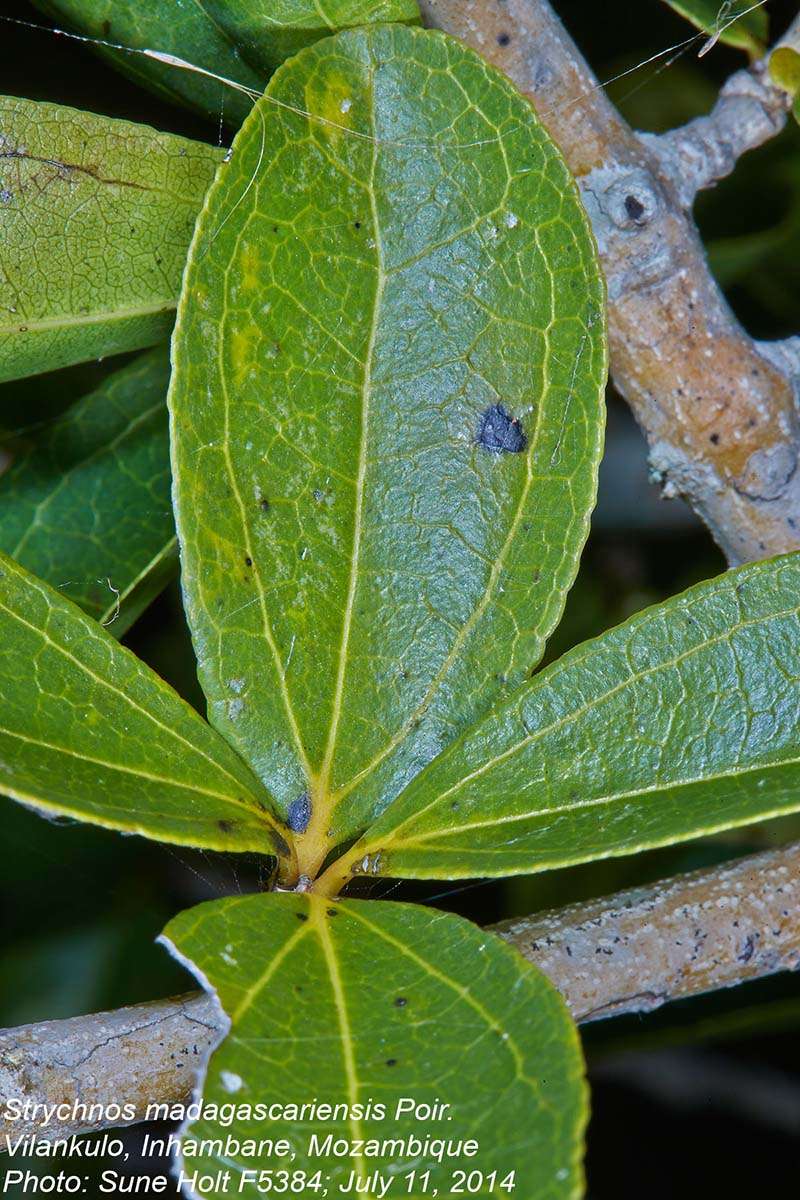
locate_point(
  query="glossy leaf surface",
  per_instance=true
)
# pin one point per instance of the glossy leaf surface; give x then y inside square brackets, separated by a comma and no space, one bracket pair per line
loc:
[367,1001]
[88,731]
[681,722]
[387,420]
[96,216]
[88,508]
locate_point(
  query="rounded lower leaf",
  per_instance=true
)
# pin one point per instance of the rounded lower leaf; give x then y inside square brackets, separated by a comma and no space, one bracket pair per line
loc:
[365,1007]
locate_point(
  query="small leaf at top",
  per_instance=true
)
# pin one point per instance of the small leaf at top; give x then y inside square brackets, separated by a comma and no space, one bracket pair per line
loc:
[95,221]
[740,23]
[784,69]
[387,415]
[269,34]
[87,507]
[88,731]
[188,31]
[379,1004]
[681,722]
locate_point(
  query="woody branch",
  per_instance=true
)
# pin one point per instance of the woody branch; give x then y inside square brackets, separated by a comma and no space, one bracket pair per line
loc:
[627,953]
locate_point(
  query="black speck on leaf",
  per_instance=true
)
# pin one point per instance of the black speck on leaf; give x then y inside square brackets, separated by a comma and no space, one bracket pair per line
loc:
[299,813]
[400,1002]
[391,1062]
[503,39]
[280,844]
[301,916]
[263,504]
[224,825]
[248,560]
[500,433]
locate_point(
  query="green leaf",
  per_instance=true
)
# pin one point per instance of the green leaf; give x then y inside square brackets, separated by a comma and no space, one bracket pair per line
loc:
[268,38]
[398,277]
[784,69]
[735,22]
[368,1001]
[87,508]
[681,722]
[96,217]
[188,31]
[89,731]
[237,39]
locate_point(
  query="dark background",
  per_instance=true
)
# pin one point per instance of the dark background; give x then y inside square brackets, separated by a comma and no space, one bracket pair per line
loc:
[700,1099]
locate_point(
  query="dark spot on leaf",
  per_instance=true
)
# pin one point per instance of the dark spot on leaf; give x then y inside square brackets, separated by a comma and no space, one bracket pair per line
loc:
[503,39]
[301,916]
[500,433]
[391,1062]
[634,208]
[357,224]
[400,1002]
[332,912]
[299,813]
[318,495]
[279,844]
[714,439]
[263,504]
[248,560]
[225,826]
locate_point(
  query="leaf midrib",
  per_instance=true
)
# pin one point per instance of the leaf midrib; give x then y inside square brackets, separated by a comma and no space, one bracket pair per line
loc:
[65,478]
[64,321]
[125,769]
[327,802]
[554,726]
[104,682]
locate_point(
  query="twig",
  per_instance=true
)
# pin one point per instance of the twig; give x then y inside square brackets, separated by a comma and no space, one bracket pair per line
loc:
[718,408]
[133,1056]
[628,953]
[691,934]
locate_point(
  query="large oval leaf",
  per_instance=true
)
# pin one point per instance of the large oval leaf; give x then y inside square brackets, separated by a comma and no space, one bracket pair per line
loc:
[386,411]
[88,730]
[368,1002]
[95,220]
[189,31]
[681,722]
[87,506]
